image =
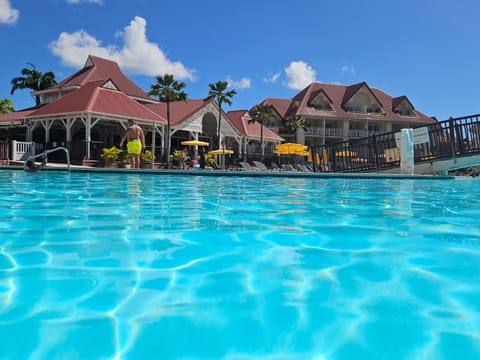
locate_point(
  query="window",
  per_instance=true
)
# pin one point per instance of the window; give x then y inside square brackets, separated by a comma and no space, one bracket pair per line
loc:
[321,102]
[322,107]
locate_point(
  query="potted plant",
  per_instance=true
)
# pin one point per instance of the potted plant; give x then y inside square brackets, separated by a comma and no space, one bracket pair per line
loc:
[110,156]
[146,159]
[175,158]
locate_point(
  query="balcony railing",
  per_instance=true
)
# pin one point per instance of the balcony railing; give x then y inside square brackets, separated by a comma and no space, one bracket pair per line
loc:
[339,132]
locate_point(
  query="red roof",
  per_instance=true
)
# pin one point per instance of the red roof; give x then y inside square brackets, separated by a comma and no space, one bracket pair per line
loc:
[93,97]
[239,119]
[339,94]
[16,115]
[179,110]
[97,68]
[281,106]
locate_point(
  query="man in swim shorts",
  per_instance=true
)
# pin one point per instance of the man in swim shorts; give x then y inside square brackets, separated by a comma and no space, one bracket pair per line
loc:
[135,143]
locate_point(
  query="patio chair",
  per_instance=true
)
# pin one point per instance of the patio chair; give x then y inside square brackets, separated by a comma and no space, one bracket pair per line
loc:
[261,166]
[215,165]
[245,166]
[275,167]
[303,168]
[288,167]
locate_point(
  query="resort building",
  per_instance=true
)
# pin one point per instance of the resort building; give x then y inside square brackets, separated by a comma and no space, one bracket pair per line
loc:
[89,110]
[338,113]
[252,135]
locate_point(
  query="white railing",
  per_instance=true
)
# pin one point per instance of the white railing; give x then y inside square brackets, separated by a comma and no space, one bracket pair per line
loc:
[334,132]
[339,132]
[358,133]
[21,150]
[320,131]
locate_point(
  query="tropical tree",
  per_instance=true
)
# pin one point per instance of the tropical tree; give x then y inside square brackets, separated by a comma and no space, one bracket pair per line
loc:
[218,92]
[34,80]
[262,114]
[6,106]
[296,122]
[167,89]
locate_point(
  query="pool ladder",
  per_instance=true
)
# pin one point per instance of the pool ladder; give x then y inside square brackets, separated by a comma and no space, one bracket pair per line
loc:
[46,152]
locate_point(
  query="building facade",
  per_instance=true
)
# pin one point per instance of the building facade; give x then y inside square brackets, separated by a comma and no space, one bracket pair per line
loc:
[336,113]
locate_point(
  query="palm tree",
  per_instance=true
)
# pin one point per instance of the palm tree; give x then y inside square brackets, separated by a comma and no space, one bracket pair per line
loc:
[168,89]
[296,122]
[6,106]
[34,80]
[262,114]
[218,92]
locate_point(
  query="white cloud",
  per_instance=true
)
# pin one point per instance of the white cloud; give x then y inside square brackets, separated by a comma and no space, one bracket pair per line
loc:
[84,1]
[348,69]
[272,78]
[137,56]
[244,83]
[299,75]
[8,15]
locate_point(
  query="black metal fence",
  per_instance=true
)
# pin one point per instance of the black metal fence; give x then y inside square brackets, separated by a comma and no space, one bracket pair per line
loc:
[451,138]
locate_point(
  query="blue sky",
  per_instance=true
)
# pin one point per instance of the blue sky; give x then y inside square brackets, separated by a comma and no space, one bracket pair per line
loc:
[427,50]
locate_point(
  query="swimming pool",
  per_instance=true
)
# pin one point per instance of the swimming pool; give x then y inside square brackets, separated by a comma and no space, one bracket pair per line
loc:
[129,266]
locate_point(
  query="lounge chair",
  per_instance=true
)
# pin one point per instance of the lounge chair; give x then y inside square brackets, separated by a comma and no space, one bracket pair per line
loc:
[275,167]
[288,167]
[215,165]
[245,166]
[261,166]
[303,168]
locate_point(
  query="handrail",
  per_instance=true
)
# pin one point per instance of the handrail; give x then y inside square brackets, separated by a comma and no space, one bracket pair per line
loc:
[46,152]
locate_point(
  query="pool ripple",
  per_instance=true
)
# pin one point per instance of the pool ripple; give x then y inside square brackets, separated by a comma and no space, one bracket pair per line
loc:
[128,266]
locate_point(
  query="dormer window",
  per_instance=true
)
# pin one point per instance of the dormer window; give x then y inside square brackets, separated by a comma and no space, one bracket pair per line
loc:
[320,102]
[109,85]
[402,106]
[362,101]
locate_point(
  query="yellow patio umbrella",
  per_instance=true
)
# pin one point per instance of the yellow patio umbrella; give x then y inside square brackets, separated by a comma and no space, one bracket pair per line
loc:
[220,152]
[281,151]
[194,143]
[289,148]
[303,153]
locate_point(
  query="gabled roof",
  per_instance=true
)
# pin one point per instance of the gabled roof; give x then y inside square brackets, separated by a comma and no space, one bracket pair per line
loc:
[179,110]
[94,97]
[398,100]
[97,68]
[318,92]
[281,106]
[239,119]
[339,94]
[352,90]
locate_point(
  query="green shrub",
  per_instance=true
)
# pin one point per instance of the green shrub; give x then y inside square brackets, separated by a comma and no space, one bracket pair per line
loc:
[110,154]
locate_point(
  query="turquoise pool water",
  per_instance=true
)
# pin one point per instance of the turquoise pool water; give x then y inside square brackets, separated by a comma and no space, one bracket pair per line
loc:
[117,266]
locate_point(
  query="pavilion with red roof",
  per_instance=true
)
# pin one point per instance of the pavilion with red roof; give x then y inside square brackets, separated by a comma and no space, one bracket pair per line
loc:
[89,110]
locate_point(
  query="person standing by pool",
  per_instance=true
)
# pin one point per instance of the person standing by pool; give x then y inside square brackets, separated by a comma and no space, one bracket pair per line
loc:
[135,143]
